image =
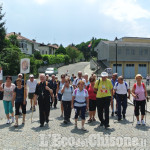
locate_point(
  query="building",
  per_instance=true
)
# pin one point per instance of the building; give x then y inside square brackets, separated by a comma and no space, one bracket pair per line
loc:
[133,56]
[28,46]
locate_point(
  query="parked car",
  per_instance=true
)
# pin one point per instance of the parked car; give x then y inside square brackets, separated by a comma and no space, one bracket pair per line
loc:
[51,71]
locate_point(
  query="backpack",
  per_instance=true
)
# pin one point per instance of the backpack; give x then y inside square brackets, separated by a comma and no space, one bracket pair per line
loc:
[77,101]
[46,83]
[136,85]
[125,85]
[2,93]
[77,80]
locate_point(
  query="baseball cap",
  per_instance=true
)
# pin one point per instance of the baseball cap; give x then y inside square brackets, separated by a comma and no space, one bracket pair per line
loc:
[104,74]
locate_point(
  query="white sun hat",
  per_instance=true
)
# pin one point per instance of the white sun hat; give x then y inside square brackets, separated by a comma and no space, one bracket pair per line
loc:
[104,74]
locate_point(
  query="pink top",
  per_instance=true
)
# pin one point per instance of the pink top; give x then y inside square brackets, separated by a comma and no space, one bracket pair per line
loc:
[140,92]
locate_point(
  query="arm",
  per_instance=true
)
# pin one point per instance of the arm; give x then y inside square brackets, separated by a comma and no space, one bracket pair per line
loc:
[133,92]
[57,89]
[73,97]
[145,92]
[129,93]
[63,89]
[13,99]
[35,99]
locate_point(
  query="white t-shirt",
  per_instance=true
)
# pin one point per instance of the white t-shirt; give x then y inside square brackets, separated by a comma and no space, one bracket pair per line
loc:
[80,96]
[32,85]
[8,92]
[121,88]
[76,81]
[67,95]
[60,87]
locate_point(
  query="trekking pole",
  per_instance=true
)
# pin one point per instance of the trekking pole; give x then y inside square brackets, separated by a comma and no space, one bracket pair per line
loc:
[147,100]
[32,111]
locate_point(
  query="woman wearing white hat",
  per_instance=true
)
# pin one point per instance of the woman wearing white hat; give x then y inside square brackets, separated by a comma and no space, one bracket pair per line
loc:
[104,89]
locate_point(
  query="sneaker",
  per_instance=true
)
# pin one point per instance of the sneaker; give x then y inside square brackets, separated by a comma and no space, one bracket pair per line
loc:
[41,125]
[101,124]
[83,129]
[68,121]
[8,122]
[142,122]
[138,122]
[107,126]
[61,115]
[112,114]
[90,120]
[13,120]
[65,122]
[34,108]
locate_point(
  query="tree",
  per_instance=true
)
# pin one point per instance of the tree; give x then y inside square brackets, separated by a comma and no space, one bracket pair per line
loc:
[61,50]
[2,30]
[13,40]
[72,52]
[37,55]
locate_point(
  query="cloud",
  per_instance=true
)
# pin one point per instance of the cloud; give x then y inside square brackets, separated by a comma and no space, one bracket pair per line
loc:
[124,10]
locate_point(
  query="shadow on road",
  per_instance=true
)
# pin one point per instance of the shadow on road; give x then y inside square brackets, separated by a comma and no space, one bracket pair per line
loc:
[105,131]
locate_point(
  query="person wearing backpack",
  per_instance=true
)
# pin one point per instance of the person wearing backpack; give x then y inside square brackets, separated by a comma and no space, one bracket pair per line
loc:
[139,94]
[19,97]
[8,89]
[92,99]
[67,91]
[104,89]
[59,87]
[121,89]
[76,81]
[80,102]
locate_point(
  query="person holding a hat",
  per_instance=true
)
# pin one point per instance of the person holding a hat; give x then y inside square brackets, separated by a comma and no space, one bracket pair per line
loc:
[104,89]
[139,94]
[31,83]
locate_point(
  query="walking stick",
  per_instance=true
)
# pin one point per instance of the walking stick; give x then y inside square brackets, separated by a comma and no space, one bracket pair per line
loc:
[32,110]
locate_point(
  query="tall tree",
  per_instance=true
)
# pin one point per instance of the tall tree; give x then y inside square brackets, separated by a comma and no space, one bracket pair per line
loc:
[2,30]
[13,40]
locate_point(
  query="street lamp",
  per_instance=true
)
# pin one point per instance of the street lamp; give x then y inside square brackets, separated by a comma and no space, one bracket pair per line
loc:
[116,42]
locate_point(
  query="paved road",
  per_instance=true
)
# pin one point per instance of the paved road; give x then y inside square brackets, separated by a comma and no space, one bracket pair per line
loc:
[124,135]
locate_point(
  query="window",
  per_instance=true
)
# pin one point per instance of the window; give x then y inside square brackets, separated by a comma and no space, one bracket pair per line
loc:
[119,51]
[146,52]
[117,64]
[132,52]
[127,52]
[42,52]
[130,65]
[140,52]
[142,65]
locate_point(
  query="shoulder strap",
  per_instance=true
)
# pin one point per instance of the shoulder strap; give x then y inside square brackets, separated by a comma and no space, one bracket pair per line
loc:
[134,86]
[85,91]
[99,82]
[76,91]
[117,84]
[143,85]
[71,88]
[76,81]
[126,85]
[88,86]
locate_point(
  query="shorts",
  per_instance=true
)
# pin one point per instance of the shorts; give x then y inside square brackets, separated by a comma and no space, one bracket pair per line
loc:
[80,111]
[30,95]
[92,105]
[8,107]
[17,106]
[59,96]
[139,106]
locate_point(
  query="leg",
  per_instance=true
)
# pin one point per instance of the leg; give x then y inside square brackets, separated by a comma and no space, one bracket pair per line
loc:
[143,103]
[136,110]
[17,106]
[42,115]
[47,111]
[106,107]
[55,100]
[124,105]
[100,108]
[90,110]
[83,109]
[69,110]
[119,107]
[24,112]
[65,110]
[6,107]
[77,110]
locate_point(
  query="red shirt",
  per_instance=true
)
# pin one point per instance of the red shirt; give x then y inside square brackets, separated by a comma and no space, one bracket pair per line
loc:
[91,93]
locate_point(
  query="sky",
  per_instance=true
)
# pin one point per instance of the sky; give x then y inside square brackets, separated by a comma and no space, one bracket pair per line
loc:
[75,21]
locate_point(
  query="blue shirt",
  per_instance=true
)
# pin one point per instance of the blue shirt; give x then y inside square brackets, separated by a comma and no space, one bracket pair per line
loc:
[19,94]
[114,82]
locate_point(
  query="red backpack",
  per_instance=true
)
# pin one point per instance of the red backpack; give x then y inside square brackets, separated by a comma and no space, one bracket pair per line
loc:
[135,84]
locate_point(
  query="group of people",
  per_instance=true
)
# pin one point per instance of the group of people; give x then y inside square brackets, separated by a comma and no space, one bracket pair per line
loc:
[83,94]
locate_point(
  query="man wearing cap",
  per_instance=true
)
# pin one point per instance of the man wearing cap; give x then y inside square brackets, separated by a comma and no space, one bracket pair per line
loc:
[31,83]
[104,89]
[20,76]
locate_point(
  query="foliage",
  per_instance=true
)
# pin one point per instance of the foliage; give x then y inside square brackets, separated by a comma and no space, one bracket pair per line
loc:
[2,30]
[13,40]
[37,55]
[61,50]
[73,53]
